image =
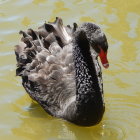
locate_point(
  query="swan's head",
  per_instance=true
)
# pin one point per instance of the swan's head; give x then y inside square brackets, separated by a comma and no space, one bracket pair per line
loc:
[98,41]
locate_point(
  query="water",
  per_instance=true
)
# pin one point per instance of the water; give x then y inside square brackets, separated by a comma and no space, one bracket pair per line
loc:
[22,119]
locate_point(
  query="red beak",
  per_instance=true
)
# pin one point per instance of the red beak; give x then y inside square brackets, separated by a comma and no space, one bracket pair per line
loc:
[103,57]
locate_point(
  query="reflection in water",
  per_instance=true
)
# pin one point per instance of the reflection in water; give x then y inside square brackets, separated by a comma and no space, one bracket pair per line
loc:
[52,128]
[120,20]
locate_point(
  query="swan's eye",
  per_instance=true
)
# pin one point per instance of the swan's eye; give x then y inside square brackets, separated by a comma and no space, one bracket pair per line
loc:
[97,49]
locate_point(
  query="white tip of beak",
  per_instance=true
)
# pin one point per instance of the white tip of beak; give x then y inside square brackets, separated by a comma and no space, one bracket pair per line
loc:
[106,65]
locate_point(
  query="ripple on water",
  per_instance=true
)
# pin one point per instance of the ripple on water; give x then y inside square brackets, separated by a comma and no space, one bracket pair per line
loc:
[3,1]
[112,130]
[9,19]
[6,54]
[122,119]
[8,32]
[23,2]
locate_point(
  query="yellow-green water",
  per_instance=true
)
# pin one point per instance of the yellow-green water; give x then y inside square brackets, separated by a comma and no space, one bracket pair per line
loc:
[20,119]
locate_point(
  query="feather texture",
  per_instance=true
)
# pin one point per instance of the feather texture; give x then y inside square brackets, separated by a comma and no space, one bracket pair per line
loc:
[49,67]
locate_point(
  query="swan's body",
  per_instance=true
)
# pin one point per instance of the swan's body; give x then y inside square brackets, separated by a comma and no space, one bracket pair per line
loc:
[60,70]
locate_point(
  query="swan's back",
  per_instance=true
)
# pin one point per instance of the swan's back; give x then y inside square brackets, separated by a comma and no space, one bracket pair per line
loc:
[45,63]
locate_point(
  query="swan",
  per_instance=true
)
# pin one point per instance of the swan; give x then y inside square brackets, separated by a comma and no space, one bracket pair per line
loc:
[59,69]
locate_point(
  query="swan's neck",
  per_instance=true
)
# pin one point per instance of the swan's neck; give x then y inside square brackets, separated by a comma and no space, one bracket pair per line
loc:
[87,84]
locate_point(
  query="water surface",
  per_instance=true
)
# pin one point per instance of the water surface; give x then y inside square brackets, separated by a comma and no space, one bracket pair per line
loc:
[21,119]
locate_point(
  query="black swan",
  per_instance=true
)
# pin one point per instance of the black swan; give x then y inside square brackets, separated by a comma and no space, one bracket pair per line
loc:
[59,69]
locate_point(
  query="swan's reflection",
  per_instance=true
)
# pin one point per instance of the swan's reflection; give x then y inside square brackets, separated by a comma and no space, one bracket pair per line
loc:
[36,124]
